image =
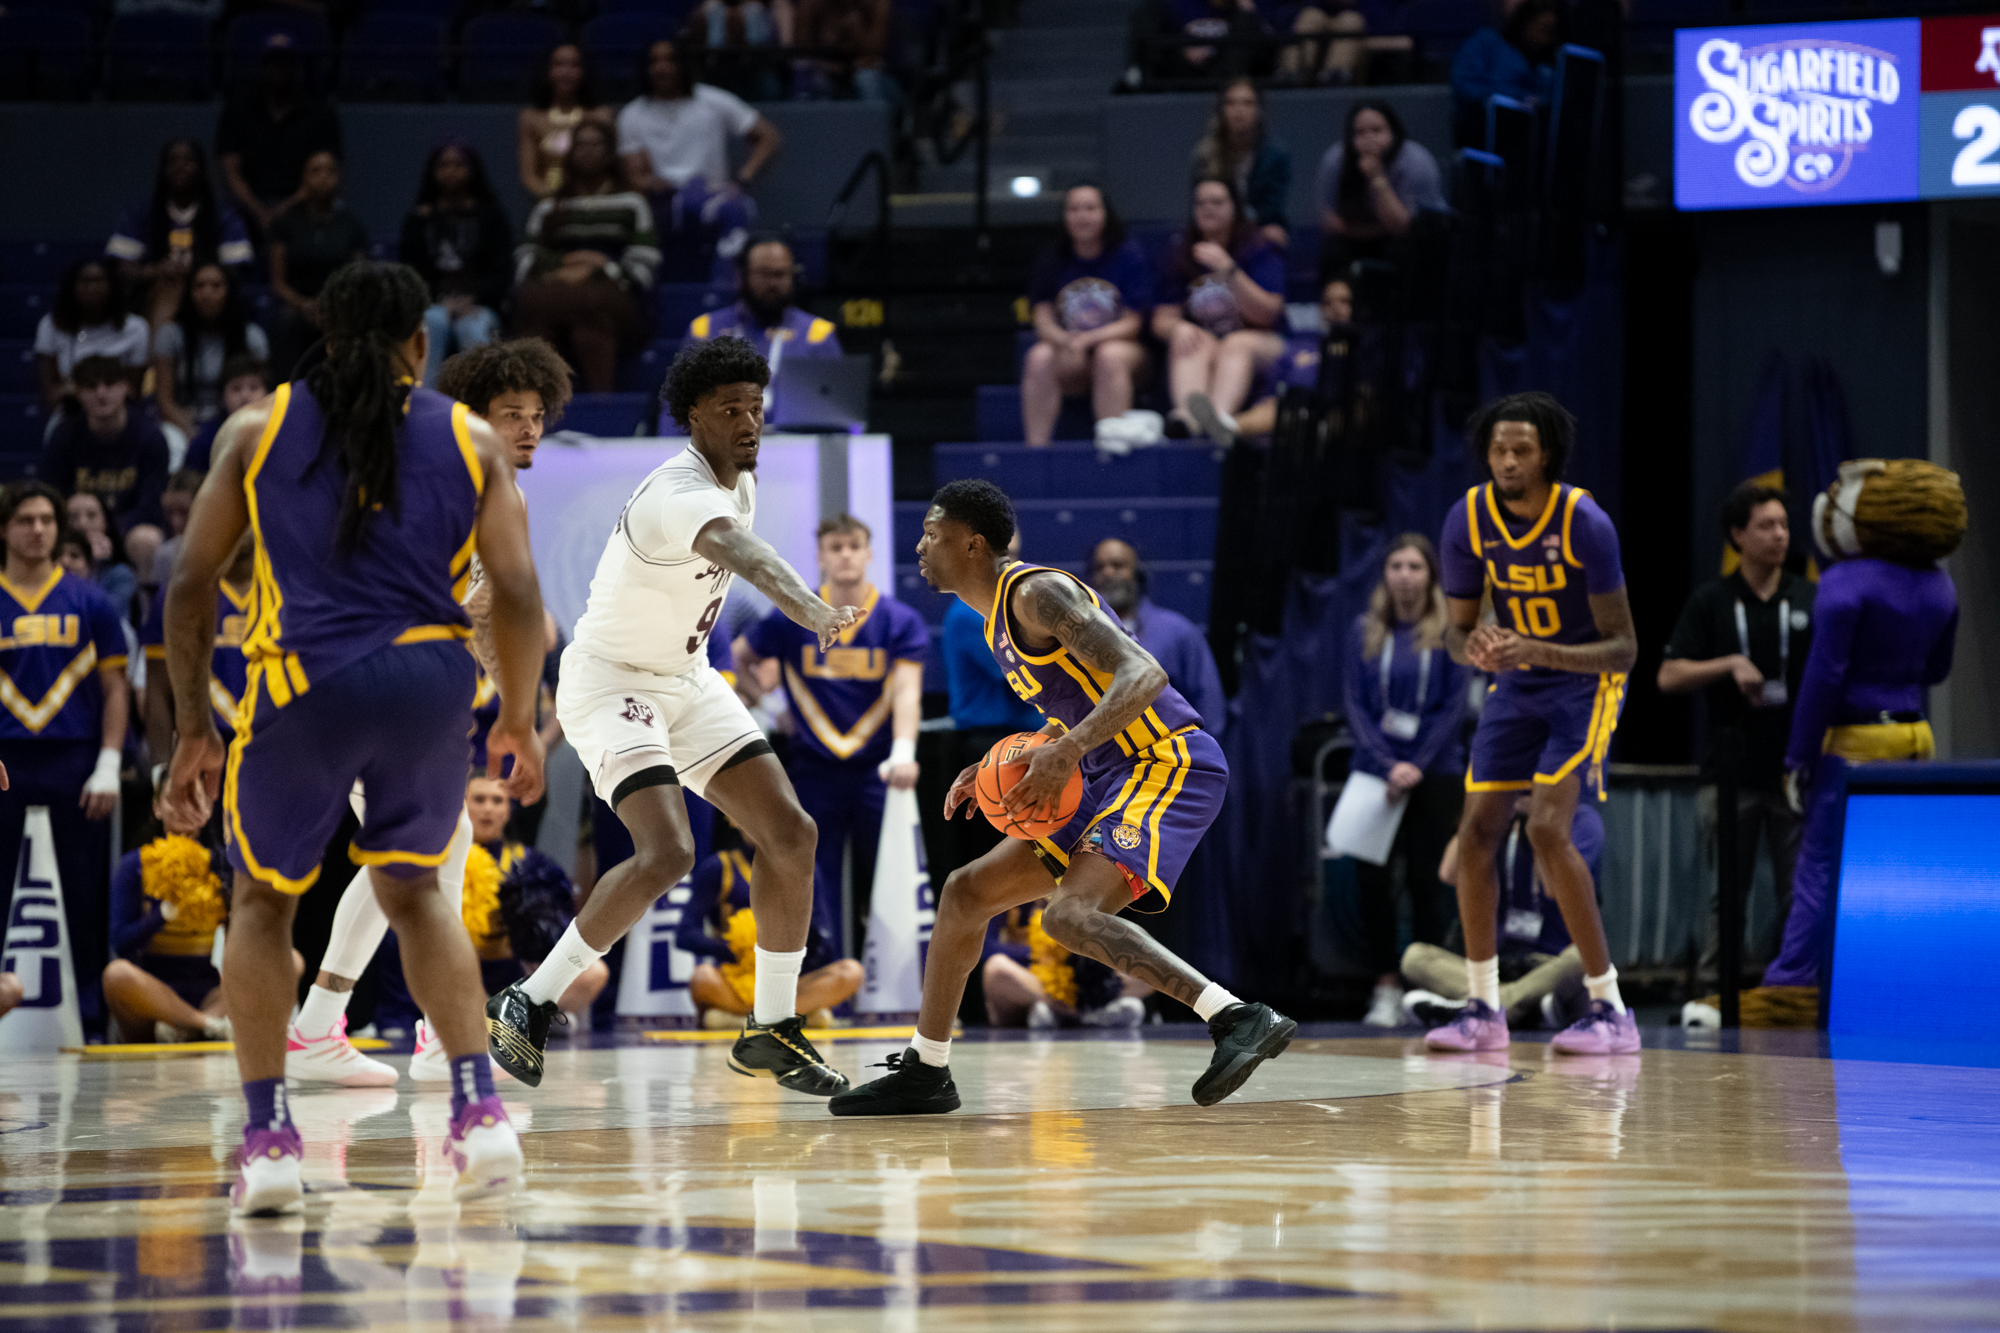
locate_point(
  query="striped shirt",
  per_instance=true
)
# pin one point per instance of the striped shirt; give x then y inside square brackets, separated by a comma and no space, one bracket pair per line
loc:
[619,225]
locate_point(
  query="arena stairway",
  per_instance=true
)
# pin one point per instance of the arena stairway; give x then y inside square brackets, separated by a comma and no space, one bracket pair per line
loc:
[1068,497]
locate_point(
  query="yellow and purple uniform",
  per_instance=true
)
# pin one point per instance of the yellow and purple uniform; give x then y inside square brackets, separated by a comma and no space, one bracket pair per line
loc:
[227,667]
[802,334]
[1539,725]
[1149,792]
[357,665]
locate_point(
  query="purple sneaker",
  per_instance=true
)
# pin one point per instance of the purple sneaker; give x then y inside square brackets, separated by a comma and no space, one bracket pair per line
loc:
[1602,1031]
[268,1181]
[484,1149]
[1478,1027]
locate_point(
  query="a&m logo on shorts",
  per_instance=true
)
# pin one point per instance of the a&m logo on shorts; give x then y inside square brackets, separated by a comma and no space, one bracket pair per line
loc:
[637,711]
[1126,836]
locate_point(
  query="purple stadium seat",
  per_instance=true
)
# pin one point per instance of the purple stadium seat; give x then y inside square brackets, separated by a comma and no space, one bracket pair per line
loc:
[17,367]
[501,55]
[22,306]
[614,43]
[45,55]
[391,57]
[245,42]
[158,58]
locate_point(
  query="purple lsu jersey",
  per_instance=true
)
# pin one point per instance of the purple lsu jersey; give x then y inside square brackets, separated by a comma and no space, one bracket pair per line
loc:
[227,666]
[803,334]
[53,641]
[320,608]
[1541,578]
[842,694]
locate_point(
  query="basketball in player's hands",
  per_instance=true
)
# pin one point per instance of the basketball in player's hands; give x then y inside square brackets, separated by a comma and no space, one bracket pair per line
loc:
[1002,767]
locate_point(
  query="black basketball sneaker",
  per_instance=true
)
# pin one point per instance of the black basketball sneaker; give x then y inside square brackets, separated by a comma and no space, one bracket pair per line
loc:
[782,1052]
[911,1087]
[516,1031]
[1246,1035]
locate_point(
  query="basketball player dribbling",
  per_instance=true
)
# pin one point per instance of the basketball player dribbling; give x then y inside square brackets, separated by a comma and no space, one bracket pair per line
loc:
[366,496]
[649,715]
[1558,655]
[1153,782]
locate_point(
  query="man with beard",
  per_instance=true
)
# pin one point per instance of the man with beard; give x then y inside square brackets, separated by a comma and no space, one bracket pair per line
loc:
[765,316]
[1120,578]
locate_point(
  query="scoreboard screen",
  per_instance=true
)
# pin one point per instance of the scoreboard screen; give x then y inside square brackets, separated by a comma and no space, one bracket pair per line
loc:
[1875,110]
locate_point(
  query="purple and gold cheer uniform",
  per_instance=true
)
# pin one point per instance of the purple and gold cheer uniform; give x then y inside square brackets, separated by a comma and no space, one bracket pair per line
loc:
[1539,725]
[227,667]
[357,666]
[1150,792]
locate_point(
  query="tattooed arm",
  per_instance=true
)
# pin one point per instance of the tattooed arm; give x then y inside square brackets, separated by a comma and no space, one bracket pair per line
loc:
[1615,652]
[1051,608]
[728,543]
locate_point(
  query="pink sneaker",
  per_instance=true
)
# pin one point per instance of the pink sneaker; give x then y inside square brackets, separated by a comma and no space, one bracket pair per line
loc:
[1602,1031]
[1478,1027]
[485,1150]
[333,1059]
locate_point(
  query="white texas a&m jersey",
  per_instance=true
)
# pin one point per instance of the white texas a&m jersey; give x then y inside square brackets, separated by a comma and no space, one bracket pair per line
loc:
[653,601]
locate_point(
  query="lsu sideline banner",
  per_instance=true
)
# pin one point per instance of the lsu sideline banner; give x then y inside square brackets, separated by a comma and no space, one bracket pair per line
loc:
[1868,111]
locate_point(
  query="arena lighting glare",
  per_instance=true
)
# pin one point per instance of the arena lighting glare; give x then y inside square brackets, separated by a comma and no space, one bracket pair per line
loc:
[1025,187]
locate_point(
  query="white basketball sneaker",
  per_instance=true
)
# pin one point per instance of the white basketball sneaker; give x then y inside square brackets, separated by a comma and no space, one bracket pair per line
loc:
[333,1059]
[485,1149]
[268,1181]
[429,1063]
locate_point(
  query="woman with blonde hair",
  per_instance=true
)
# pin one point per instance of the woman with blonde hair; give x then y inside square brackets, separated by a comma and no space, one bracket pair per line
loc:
[1405,699]
[1238,148]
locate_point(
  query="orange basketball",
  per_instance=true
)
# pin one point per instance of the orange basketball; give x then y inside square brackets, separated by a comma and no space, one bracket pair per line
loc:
[1002,768]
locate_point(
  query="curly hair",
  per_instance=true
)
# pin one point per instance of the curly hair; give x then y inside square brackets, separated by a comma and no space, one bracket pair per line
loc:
[1553,424]
[518,365]
[982,507]
[705,366]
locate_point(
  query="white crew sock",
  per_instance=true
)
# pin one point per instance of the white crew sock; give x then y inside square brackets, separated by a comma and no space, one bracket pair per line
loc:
[936,1054]
[777,985]
[1482,980]
[1212,1001]
[565,963]
[321,1010]
[359,924]
[1606,988]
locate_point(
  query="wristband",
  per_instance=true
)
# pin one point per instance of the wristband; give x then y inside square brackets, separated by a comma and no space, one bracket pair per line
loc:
[902,751]
[104,778]
[159,775]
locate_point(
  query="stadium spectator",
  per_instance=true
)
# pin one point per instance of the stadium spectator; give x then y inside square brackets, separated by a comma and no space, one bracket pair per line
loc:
[1298,370]
[1371,186]
[459,239]
[1515,59]
[563,101]
[1335,58]
[1743,639]
[268,134]
[718,928]
[113,452]
[1197,39]
[859,31]
[1541,971]
[67,650]
[674,140]
[211,327]
[175,503]
[104,552]
[1088,292]
[158,244]
[1120,577]
[1030,981]
[245,379]
[1224,290]
[314,235]
[1404,701]
[765,316]
[1238,149]
[588,256]
[733,43]
[90,319]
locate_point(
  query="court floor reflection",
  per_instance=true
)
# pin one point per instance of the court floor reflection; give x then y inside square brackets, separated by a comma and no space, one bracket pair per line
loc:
[1359,1184]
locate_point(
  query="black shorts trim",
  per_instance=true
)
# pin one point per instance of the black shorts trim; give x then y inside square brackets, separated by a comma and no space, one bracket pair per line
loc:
[750,751]
[659,775]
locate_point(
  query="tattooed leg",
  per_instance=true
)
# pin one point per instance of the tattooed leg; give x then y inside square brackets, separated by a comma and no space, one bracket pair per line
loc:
[1083,918]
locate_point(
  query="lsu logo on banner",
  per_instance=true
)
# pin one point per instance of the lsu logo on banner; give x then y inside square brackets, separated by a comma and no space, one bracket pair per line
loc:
[1810,113]
[37,949]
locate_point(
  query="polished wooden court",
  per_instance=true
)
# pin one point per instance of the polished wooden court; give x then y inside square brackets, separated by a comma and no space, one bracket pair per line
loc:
[1356,1183]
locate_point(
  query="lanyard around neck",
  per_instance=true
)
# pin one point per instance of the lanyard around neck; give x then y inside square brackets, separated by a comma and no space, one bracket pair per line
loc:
[1423,672]
[1784,635]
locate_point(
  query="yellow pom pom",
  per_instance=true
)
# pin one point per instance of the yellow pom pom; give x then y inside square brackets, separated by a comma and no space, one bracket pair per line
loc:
[1049,962]
[177,871]
[479,905]
[740,934]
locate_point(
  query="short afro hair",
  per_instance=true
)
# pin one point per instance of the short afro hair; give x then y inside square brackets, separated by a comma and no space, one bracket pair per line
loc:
[519,365]
[1551,420]
[980,506]
[705,366]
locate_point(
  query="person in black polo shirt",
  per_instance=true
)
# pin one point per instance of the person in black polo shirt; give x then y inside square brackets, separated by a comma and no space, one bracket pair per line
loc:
[1744,638]
[267,133]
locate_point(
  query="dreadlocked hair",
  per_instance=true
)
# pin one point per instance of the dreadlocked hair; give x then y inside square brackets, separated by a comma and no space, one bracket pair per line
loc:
[368,311]
[1903,510]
